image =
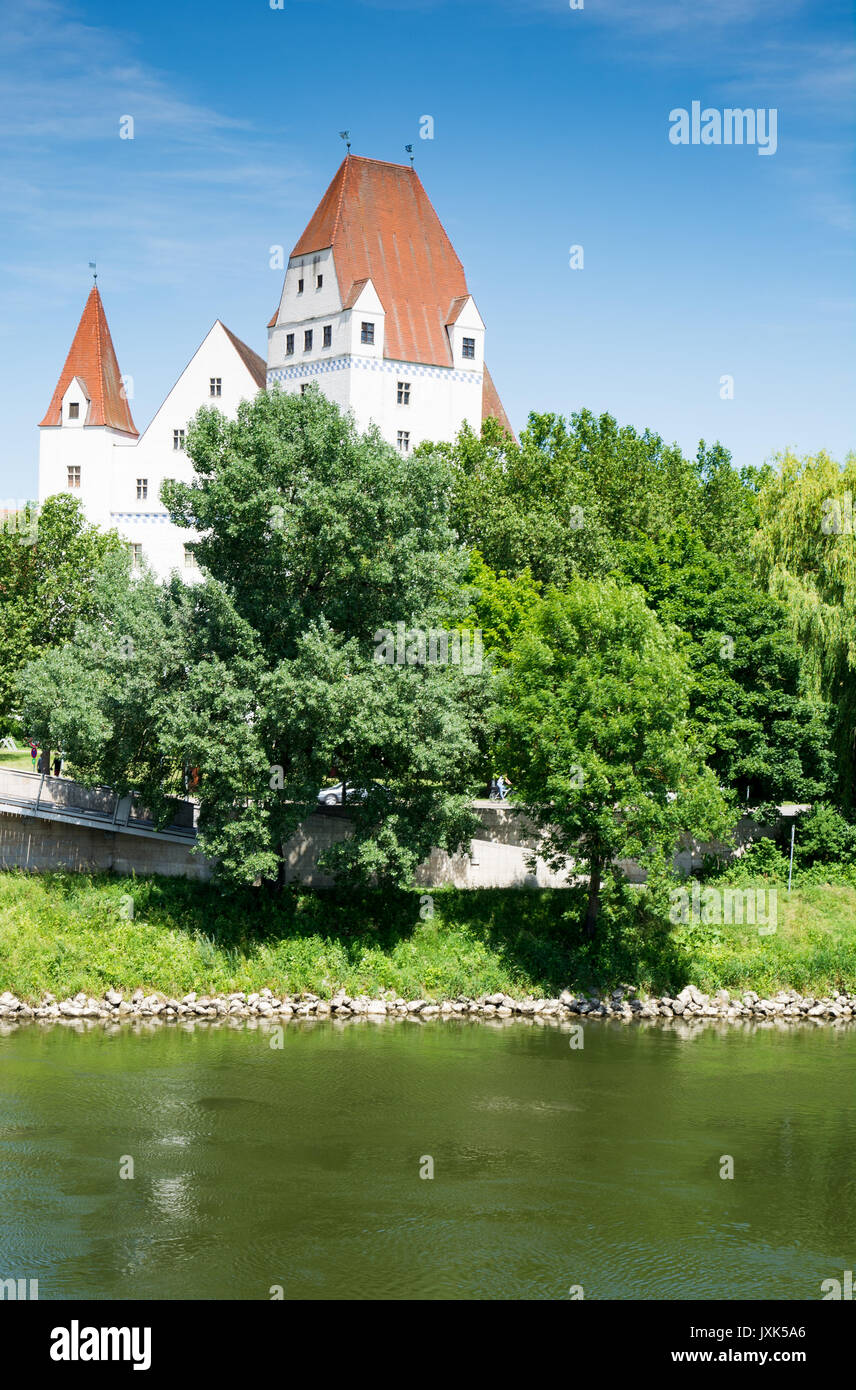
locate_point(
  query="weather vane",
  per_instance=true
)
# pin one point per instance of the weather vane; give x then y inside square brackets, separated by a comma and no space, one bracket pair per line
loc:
[94,271]
[346,136]
[409,149]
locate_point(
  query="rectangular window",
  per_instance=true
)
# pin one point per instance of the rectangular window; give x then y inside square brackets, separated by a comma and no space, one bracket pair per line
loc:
[289,344]
[404,441]
[404,393]
[142,489]
[319,281]
[189,558]
[300,287]
[307,340]
[74,410]
[136,555]
[178,439]
[328,335]
[367,333]
[215,384]
[74,475]
[469,349]
[303,388]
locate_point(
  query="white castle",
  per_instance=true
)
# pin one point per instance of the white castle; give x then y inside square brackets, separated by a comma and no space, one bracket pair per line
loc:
[375,309]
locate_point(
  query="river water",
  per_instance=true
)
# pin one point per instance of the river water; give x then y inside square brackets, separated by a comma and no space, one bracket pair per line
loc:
[297,1167]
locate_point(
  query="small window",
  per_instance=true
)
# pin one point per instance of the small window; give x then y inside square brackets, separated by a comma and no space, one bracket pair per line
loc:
[404,441]
[215,384]
[303,388]
[307,340]
[136,555]
[328,335]
[367,333]
[300,287]
[469,348]
[289,344]
[404,393]
[189,558]
[142,489]
[74,475]
[319,281]
[178,439]
[74,410]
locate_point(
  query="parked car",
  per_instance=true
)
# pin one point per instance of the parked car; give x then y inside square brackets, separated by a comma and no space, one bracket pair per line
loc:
[332,796]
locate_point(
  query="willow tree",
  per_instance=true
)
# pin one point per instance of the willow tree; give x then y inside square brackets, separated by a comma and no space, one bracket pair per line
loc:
[806,554]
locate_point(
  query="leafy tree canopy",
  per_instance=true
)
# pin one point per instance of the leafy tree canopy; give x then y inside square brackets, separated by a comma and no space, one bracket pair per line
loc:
[48,565]
[593,727]
[264,678]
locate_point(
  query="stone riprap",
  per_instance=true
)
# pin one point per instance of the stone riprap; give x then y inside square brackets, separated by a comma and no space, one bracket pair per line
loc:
[623,1005]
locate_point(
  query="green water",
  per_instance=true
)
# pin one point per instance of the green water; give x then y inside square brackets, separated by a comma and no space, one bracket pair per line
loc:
[299,1167]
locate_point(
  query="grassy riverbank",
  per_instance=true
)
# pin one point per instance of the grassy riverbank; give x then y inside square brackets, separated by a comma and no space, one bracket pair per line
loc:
[70,932]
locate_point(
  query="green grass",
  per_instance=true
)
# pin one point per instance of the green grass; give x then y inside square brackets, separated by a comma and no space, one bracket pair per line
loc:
[20,761]
[70,932]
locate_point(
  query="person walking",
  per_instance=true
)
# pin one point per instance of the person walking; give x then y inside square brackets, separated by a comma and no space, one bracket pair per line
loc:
[57,766]
[43,762]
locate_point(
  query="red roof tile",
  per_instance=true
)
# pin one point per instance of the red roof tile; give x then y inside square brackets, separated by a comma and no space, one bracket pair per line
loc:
[492,405]
[92,358]
[379,221]
[254,364]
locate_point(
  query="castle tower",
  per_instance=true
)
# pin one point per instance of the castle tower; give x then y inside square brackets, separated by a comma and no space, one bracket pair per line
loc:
[88,415]
[375,309]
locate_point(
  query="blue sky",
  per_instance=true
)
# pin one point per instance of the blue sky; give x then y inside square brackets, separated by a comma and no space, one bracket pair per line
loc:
[550,130]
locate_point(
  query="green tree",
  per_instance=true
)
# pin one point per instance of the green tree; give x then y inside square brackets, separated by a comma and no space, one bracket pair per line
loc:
[48,565]
[593,726]
[766,728]
[528,505]
[264,678]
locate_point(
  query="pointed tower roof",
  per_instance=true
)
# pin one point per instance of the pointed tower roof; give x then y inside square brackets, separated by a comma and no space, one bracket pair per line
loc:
[92,358]
[381,225]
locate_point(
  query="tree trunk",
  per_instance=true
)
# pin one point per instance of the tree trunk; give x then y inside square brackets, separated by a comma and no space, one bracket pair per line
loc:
[590,925]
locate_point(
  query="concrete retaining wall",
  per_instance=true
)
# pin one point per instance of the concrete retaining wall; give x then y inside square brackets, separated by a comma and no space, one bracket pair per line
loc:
[29,842]
[496,859]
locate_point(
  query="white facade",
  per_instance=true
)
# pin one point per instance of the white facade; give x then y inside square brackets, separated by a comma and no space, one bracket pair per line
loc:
[408,401]
[374,309]
[119,476]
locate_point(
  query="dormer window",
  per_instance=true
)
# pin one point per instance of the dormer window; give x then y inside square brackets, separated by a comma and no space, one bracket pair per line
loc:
[367,333]
[74,410]
[469,348]
[215,386]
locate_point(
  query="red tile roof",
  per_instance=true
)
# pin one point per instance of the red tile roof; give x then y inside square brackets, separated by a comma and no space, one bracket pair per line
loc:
[92,358]
[492,405]
[379,221]
[254,364]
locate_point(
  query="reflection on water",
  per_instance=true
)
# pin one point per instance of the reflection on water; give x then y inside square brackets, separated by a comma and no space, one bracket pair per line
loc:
[300,1166]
